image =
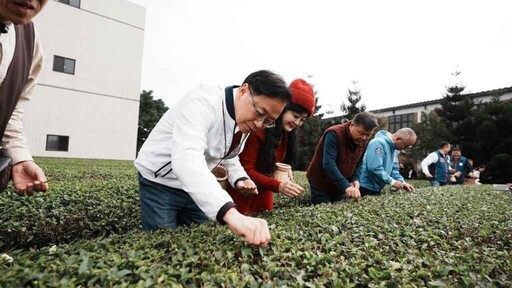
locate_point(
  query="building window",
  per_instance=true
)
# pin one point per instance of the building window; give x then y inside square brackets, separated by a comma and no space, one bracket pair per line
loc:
[396,122]
[74,3]
[57,143]
[64,65]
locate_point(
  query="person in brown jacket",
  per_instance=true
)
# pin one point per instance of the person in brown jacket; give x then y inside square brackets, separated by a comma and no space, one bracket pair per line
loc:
[20,64]
[334,171]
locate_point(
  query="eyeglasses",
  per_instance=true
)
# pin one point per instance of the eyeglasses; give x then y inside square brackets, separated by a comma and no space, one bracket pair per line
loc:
[267,122]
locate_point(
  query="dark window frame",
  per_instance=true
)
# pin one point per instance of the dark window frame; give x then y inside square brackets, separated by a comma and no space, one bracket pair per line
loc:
[396,122]
[61,146]
[57,68]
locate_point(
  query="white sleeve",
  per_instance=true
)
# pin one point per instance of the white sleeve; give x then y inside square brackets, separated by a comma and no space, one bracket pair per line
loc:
[431,158]
[192,122]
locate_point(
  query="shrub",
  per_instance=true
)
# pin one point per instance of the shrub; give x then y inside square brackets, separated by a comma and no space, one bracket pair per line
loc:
[498,170]
[88,198]
[447,236]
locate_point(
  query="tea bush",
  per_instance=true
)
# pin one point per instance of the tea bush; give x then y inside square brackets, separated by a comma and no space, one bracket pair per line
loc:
[88,198]
[448,236]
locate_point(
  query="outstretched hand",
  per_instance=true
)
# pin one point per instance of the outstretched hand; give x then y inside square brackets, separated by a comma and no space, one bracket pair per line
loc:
[28,178]
[353,192]
[398,185]
[247,187]
[290,189]
[254,230]
[408,187]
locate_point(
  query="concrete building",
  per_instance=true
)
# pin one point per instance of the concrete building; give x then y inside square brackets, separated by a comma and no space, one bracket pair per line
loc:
[405,115]
[397,117]
[87,100]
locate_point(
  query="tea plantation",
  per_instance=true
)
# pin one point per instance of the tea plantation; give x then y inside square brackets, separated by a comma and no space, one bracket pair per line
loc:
[85,233]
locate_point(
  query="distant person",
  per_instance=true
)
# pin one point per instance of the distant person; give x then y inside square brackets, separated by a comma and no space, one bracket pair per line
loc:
[411,173]
[470,179]
[334,172]
[21,60]
[380,162]
[478,172]
[460,166]
[436,165]
[206,128]
[266,147]
[403,172]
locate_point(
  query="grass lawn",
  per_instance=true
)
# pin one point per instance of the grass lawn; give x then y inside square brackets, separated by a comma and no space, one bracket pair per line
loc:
[86,232]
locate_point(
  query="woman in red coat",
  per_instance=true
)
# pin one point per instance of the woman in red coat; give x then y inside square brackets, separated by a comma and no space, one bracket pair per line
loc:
[274,144]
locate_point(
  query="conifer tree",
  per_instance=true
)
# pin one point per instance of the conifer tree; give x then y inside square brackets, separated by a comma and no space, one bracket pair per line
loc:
[354,96]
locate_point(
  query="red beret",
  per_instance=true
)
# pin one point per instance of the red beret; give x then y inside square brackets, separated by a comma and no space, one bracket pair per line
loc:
[303,95]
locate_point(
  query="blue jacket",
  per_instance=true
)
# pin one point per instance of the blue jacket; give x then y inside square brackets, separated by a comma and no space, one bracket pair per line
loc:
[380,163]
[440,169]
[462,166]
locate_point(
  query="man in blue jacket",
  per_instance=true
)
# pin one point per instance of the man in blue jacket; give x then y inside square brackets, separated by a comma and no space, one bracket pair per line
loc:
[380,163]
[460,164]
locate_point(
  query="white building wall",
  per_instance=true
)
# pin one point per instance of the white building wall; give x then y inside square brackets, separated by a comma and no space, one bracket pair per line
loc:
[97,107]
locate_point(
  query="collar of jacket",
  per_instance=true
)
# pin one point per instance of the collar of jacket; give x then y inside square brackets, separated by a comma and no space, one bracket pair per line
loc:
[4,28]
[230,101]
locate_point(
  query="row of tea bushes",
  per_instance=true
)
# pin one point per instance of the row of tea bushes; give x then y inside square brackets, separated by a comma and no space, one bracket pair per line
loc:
[450,236]
[88,198]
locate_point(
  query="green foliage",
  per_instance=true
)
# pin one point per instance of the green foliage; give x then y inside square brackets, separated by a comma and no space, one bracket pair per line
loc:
[483,131]
[455,107]
[431,131]
[87,199]
[353,97]
[498,170]
[448,236]
[308,136]
[150,111]
[493,131]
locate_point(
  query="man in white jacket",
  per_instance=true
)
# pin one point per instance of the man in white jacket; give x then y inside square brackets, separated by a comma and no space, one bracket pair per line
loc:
[436,166]
[206,128]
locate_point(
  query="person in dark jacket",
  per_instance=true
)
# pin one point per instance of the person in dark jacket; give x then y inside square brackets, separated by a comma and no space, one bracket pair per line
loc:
[459,166]
[335,169]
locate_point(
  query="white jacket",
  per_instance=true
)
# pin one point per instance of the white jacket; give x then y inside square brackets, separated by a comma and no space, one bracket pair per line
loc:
[190,140]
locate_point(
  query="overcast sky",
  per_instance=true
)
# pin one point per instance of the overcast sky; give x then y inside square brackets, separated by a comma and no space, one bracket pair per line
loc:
[400,52]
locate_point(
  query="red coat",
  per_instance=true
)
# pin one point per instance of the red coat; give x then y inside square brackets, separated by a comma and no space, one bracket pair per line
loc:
[264,201]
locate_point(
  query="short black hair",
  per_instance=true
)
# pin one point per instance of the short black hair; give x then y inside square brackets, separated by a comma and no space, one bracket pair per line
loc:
[443,144]
[367,120]
[268,83]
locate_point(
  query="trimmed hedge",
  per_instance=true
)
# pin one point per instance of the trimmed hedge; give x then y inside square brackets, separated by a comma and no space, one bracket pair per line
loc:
[449,236]
[87,199]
